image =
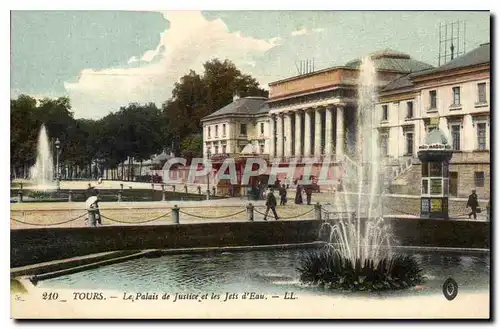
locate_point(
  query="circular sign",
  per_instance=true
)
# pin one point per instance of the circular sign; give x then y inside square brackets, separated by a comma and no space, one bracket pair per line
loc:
[450,289]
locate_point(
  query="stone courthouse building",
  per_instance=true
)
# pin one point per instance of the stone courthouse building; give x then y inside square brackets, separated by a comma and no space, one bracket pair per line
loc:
[314,116]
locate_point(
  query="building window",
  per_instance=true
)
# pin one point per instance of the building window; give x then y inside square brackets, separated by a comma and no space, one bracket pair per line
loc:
[481,93]
[432,99]
[223,130]
[479,178]
[261,148]
[262,127]
[243,129]
[455,137]
[409,143]
[385,113]
[209,132]
[216,149]
[384,150]
[425,186]
[453,188]
[409,110]
[481,136]
[223,149]
[216,132]
[456,96]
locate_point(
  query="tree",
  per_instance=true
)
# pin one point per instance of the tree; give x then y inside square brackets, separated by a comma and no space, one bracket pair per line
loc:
[23,133]
[192,147]
[135,131]
[195,97]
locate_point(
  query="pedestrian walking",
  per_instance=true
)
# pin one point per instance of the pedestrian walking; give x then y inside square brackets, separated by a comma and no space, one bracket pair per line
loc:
[283,195]
[298,195]
[92,211]
[472,203]
[271,204]
[488,210]
[308,189]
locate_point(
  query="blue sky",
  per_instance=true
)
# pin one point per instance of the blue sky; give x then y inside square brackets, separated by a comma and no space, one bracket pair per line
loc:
[105,59]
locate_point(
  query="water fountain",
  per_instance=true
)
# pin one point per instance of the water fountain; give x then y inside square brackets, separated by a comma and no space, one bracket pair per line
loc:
[359,245]
[42,173]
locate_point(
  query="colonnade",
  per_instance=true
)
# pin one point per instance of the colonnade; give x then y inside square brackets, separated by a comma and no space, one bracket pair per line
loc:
[309,132]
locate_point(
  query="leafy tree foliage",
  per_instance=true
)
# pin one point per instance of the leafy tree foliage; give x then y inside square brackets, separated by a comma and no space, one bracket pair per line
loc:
[136,131]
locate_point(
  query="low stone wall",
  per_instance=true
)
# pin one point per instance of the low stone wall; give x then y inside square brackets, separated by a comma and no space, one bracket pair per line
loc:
[31,246]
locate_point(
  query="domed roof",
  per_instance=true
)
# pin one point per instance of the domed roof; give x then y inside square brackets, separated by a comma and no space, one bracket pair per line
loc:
[436,136]
[389,59]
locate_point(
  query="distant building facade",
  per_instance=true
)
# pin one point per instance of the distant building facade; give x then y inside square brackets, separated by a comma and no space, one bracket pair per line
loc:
[454,98]
[313,116]
[229,130]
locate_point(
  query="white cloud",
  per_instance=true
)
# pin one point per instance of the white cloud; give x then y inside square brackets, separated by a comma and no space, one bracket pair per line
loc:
[187,44]
[318,30]
[304,31]
[132,59]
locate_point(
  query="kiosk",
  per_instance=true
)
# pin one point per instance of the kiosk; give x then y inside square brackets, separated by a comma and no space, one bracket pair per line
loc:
[435,155]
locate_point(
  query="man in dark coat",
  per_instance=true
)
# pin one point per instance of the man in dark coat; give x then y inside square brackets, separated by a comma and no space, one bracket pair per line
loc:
[283,195]
[473,204]
[309,190]
[271,204]
[488,210]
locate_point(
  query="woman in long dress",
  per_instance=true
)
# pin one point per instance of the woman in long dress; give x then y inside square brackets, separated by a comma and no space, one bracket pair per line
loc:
[298,195]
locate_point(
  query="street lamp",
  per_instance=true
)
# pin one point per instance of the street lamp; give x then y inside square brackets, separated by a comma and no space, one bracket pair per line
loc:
[208,175]
[58,146]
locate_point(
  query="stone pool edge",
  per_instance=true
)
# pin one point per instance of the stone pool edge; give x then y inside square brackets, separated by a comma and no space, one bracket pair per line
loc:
[48,270]
[57,268]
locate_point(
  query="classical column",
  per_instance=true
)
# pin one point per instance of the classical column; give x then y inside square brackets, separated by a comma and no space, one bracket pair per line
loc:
[298,134]
[307,133]
[340,133]
[317,131]
[288,134]
[329,131]
[279,133]
[272,136]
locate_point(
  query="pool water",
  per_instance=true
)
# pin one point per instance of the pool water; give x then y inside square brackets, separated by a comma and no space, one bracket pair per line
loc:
[270,271]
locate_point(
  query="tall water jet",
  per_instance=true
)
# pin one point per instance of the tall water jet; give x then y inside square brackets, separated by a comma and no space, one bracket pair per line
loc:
[42,173]
[363,236]
[358,253]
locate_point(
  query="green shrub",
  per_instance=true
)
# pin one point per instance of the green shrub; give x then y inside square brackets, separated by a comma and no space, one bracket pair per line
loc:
[327,269]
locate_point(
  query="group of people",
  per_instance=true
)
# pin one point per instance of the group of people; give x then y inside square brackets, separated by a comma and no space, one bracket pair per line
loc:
[271,202]
[307,190]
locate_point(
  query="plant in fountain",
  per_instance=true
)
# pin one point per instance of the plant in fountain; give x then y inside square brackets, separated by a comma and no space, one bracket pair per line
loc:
[358,254]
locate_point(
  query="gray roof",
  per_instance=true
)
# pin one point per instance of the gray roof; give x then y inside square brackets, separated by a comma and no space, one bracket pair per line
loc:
[402,82]
[264,109]
[477,56]
[393,60]
[245,106]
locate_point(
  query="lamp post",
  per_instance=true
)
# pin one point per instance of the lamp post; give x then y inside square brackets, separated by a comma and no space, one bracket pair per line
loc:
[58,146]
[208,175]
